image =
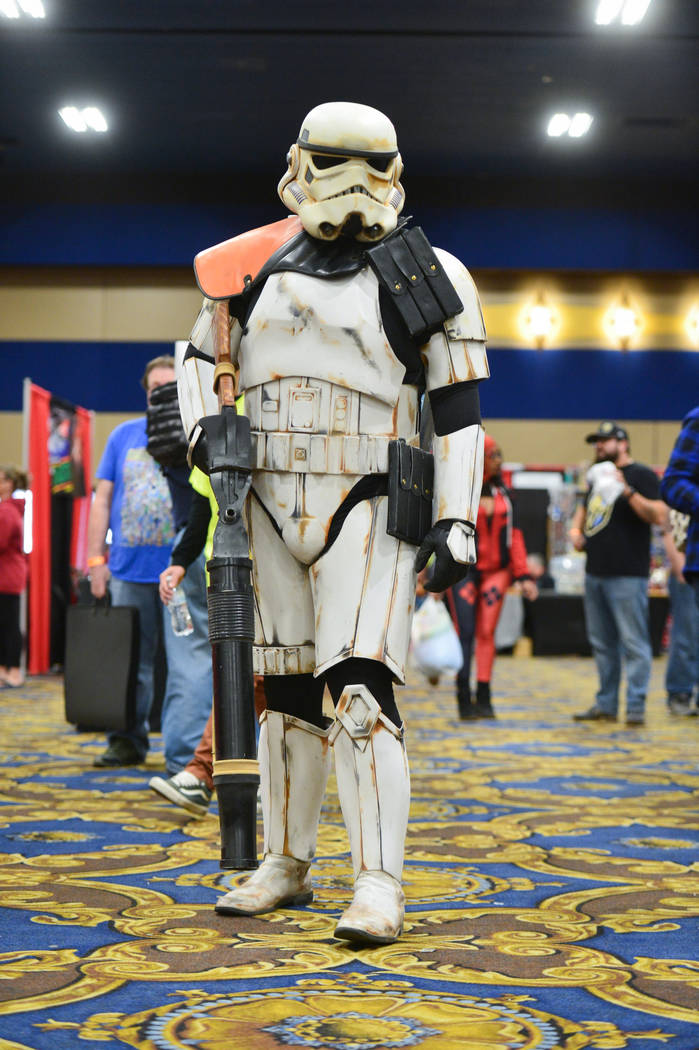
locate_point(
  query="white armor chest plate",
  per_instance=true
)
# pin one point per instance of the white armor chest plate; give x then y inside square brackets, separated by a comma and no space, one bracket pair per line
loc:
[327,329]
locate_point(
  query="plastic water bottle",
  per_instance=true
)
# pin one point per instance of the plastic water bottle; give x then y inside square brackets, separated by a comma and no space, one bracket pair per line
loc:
[179,614]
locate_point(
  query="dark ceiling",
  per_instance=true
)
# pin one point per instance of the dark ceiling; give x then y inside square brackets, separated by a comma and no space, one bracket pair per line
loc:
[218,89]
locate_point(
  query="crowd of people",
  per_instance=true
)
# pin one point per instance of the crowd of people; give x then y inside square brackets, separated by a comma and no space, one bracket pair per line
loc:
[162,517]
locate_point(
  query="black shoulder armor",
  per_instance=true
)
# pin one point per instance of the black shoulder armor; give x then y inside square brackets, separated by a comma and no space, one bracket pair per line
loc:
[406,266]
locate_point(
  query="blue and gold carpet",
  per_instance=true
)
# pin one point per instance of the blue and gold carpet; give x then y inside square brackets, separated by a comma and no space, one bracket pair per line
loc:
[552,878]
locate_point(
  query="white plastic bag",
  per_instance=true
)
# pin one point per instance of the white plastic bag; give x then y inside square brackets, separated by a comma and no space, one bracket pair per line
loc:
[436,645]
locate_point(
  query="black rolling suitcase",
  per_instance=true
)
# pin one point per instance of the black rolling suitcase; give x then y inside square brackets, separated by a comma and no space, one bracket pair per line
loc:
[101,666]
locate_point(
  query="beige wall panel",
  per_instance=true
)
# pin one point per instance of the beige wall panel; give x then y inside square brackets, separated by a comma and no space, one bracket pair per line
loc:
[105,422]
[11,438]
[562,441]
[98,304]
[142,314]
[44,314]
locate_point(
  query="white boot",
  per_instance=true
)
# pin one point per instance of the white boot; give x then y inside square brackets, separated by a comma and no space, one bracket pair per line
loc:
[294,763]
[373,782]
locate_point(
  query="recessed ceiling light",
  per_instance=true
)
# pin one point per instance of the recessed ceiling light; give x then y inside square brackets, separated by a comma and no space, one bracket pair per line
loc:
[607,11]
[94,118]
[558,125]
[14,8]
[33,8]
[631,11]
[80,120]
[580,125]
[72,116]
[563,124]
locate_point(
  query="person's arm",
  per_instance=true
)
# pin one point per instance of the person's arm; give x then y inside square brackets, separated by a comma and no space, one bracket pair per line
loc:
[675,557]
[575,532]
[6,532]
[680,484]
[652,511]
[520,570]
[97,526]
[189,548]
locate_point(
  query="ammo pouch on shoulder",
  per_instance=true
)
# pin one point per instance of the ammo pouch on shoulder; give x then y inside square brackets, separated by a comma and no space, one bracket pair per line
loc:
[406,265]
[410,489]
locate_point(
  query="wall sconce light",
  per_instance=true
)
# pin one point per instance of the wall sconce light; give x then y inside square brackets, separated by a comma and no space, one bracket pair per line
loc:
[539,322]
[623,323]
[691,325]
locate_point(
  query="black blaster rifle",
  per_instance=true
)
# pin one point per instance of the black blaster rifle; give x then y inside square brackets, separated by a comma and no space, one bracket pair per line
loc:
[227,459]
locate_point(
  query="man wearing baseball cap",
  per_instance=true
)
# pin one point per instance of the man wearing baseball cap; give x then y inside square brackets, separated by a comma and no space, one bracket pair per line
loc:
[613,527]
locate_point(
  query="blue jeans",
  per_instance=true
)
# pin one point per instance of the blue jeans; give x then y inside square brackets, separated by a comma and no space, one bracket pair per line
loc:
[616,615]
[145,597]
[187,702]
[682,673]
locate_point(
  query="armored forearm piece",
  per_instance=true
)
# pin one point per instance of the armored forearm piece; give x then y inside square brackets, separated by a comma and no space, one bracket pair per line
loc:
[458,474]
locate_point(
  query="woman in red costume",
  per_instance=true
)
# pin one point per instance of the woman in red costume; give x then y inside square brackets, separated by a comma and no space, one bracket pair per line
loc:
[476,602]
[13,575]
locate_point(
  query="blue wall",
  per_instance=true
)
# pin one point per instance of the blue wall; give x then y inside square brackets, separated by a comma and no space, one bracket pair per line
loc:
[501,238]
[527,384]
[104,377]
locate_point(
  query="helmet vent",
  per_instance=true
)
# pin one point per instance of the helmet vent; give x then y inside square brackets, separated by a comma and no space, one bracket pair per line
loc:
[297,193]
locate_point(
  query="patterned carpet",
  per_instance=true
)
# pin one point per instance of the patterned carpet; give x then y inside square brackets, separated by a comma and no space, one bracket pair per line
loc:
[552,879]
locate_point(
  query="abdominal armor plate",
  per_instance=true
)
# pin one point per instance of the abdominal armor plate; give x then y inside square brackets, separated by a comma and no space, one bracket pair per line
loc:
[324,397]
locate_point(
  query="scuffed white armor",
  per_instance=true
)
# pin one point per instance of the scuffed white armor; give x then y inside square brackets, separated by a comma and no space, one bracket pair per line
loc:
[373,782]
[294,765]
[324,394]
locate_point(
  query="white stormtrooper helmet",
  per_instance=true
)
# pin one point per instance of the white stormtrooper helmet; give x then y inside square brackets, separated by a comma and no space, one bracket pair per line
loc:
[343,173]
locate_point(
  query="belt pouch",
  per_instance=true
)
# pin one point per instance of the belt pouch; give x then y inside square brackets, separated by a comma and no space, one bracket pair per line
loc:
[410,488]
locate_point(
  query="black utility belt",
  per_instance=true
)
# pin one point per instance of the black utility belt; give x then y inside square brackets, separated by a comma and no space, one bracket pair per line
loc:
[408,486]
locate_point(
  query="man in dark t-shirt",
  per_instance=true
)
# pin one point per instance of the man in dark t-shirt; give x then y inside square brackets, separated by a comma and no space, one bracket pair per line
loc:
[613,527]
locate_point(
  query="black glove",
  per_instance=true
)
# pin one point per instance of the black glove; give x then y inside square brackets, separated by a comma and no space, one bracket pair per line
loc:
[167,443]
[446,571]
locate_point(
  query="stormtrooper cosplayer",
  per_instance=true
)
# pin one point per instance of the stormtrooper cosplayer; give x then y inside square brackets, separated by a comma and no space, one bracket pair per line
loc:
[340,320]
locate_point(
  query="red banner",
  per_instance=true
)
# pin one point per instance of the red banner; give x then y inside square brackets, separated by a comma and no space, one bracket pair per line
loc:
[39,429]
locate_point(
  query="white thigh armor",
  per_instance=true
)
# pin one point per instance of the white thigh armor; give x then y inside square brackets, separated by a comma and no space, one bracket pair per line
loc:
[355,600]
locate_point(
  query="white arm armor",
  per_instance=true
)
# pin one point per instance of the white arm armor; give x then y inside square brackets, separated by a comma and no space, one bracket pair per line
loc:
[195,387]
[458,476]
[456,353]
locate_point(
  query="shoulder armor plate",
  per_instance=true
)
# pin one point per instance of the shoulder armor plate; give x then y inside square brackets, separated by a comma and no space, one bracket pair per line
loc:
[407,266]
[225,269]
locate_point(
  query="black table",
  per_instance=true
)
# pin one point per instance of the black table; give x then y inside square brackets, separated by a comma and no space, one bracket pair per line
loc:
[557,624]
